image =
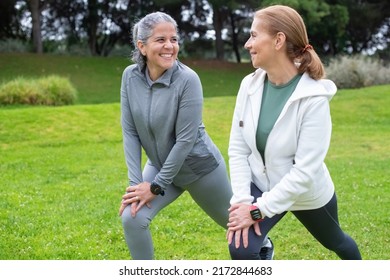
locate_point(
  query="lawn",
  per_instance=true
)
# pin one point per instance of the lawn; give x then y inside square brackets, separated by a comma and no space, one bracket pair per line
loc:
[62,172]
[98,78]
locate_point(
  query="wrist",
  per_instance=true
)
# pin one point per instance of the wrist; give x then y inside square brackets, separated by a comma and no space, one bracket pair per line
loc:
[256,214]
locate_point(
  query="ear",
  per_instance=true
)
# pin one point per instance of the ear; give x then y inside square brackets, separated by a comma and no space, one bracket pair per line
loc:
[141,47]
[280,40]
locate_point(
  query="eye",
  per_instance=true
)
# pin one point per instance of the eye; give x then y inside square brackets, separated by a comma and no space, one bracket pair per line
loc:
[174,40]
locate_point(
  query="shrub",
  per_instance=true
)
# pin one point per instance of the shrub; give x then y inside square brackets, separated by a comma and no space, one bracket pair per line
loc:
[51,90]
[13,45]
[357,71]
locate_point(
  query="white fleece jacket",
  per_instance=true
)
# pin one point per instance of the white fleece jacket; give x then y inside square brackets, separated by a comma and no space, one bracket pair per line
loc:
[295,176]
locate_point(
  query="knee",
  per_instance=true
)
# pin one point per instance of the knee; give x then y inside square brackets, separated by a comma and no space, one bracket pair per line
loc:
[140,221]
[242,253]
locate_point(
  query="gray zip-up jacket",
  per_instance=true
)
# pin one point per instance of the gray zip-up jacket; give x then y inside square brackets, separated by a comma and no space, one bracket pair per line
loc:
[165,119]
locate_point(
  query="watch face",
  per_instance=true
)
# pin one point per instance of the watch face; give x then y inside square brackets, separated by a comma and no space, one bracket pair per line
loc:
[155,189]
[256,214]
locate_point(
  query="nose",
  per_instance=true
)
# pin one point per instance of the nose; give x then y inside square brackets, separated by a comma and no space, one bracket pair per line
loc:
[168,45]
[248,44]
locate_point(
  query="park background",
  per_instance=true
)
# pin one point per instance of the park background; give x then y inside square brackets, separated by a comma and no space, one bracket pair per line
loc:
[62,169]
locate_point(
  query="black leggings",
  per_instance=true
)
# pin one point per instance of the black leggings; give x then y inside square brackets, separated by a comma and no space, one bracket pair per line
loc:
[322,223]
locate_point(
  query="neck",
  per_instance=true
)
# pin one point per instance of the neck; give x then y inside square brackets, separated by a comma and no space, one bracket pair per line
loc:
[282,75]
[155,74]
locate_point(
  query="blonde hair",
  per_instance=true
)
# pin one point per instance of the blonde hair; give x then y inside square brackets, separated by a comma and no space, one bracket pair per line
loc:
[279,18]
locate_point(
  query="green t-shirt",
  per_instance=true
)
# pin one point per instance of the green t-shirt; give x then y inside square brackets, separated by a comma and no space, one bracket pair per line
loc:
[273,100]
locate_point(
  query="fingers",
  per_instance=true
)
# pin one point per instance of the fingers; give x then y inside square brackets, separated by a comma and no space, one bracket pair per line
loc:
[237,238]
[137,196]
[131,188]
[127,199]
[256,226]
[130,197]
[229,236]
[136,204]
[133,209]
[139,205]
[121,209]
[241,233]
[245,237]
[233,207]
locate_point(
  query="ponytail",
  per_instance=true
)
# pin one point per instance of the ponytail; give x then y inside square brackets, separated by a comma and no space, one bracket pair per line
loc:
[310,62]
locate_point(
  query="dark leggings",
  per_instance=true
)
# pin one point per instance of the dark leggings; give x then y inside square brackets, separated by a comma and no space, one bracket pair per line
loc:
[322,223]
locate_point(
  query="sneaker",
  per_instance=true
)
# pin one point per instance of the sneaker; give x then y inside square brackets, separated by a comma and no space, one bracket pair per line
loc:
[267,251]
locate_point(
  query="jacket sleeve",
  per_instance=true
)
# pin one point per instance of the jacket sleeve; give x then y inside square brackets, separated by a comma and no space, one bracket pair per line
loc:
[239,151]
[189,117]
[131,142]
[313,144]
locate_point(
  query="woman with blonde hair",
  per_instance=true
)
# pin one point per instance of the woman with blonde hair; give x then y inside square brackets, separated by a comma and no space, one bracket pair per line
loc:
[280,136]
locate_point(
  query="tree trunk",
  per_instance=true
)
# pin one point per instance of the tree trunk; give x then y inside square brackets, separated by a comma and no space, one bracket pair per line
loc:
[36,25]
[92,26]
[217,22]
[234,38]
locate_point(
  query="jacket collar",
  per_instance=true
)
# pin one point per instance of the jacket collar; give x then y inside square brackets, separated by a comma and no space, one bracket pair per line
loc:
[305,88]
[165,78]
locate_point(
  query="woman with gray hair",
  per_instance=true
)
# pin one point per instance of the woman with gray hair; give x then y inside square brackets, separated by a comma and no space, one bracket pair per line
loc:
[161,113]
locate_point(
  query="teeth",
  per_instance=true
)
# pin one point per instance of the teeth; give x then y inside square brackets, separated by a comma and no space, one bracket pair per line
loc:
[166,55]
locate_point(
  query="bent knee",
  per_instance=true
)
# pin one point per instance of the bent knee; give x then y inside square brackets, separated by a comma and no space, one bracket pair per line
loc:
[242,253]
[138,222]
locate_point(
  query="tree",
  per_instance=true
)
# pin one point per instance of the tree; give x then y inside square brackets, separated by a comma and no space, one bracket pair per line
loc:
[9,21]
[226,15]
[367,19]
[64,21]
[334,26]
[36,7]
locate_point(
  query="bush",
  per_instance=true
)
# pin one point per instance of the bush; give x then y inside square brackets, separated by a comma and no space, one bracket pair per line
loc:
[52,90]
[357,71]
[13,45]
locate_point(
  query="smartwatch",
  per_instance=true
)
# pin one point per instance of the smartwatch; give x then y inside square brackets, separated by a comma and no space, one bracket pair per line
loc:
[156,189]
[255,213]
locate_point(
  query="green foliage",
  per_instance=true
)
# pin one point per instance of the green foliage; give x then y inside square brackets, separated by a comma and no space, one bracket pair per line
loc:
[357,71]
[50,90]
[13,45]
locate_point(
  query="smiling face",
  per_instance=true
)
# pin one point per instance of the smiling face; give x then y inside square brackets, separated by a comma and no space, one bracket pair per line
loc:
[161,49]
[261,45]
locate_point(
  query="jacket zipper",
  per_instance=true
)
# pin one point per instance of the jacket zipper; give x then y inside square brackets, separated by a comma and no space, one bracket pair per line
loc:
[150,126]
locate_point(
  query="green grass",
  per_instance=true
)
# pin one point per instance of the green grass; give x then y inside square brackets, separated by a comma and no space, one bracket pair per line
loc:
[62,175]
[97,79]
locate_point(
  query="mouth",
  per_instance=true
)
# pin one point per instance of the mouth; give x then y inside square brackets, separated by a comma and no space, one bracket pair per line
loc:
[167,55]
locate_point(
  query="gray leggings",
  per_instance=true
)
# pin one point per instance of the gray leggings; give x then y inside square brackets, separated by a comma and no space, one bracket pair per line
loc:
[212,193]
[322,223]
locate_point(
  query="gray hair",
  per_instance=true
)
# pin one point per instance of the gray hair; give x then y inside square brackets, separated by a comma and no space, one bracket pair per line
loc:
[143,30]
